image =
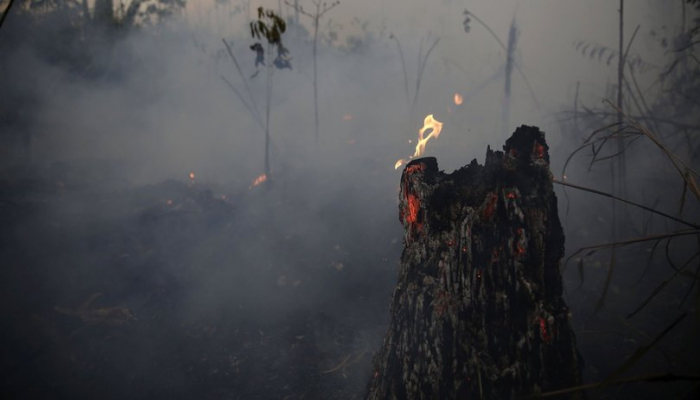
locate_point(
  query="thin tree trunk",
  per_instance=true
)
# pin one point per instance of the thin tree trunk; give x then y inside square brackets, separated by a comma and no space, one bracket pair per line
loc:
[578,83]
[268,101]
[315,77]
[621,170]
[296,13]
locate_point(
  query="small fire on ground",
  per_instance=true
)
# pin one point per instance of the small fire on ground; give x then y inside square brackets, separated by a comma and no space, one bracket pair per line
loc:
[260,179]
[429,123]
[458,99]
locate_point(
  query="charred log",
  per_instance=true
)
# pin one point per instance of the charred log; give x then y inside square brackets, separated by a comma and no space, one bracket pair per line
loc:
[477,312]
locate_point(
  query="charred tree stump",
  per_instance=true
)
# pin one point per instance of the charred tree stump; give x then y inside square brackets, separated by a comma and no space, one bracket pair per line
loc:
[477,312]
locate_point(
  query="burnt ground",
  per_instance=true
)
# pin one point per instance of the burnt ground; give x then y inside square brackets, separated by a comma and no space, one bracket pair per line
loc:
[186,289]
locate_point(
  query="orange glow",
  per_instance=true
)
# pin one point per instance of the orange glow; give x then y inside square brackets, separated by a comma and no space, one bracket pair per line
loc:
[413,208]
[431,124]
[192,175]
[347,117]
[260,179]
[458,99]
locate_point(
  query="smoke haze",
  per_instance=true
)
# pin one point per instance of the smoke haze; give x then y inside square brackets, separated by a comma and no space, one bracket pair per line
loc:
[243,291]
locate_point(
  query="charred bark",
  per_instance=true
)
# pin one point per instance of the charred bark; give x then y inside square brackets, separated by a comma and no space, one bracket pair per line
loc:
[477,312]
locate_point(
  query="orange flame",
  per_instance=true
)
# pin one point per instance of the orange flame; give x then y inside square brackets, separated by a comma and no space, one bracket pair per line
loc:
[260,179]
[429,123]
[458,99]
[192,175]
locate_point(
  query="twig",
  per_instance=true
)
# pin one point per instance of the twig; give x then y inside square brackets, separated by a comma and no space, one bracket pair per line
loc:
[602,246]
[675,160]
[661,286]
[7,11]
[667,377]
[641,351]
[421,68]
[245,103]
[245,82]
[339,366]
[403,65]
[601,193]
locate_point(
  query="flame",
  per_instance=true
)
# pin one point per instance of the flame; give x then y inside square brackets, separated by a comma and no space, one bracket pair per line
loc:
[458,99]
[260,179]
[429,123]
[192,175]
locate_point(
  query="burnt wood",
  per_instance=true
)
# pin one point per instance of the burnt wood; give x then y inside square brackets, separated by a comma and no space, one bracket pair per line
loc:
[477,312]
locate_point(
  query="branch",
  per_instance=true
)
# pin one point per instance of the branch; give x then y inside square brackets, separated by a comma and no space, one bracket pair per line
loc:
[598,192]
[7,11]
[674,158]
[602,246]
[256,113]
[245,103]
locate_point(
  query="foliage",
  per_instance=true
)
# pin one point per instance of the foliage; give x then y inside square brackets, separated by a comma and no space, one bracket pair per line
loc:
[271,31]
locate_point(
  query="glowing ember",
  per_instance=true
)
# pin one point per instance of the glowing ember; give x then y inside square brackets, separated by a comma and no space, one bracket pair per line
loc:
[458,99]
[192,175]
[539,150]
[260,179]
[435,127]
[546,336]
[413,208]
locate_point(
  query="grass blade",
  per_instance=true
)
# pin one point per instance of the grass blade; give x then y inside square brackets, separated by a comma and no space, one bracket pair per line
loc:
[651,257]
[580,272]
[630,362]
[608,279]
[642,378]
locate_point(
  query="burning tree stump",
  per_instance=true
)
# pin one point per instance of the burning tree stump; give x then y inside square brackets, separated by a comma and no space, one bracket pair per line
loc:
[477,312]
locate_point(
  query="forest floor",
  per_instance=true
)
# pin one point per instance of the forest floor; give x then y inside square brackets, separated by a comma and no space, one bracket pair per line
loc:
[184,289]
[181,290]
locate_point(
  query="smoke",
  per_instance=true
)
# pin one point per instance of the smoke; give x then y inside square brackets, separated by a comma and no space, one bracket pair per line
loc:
[97,147]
